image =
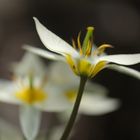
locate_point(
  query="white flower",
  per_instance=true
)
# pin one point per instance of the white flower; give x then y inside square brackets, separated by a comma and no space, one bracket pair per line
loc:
[34,93]
[58,81]
[83,59]
[33,77]
[29,90]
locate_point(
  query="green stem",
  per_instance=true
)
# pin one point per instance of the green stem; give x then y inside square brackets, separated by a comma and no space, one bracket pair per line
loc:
[75,109]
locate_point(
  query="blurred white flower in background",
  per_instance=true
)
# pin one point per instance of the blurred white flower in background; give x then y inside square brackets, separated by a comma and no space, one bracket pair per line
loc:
[94,101]
[39,88]
[29,90]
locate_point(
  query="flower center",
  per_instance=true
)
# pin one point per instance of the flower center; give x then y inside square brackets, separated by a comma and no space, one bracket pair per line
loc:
[71,95]
[86,64]
[84,67]
[31,95]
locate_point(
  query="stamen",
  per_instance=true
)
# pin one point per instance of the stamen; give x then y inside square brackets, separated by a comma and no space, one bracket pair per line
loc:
[73,44]
[31,79]
[89,48]
[79,43]
[101,49]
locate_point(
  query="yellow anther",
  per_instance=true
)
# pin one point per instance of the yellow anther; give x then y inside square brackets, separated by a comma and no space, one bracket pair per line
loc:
[101,49]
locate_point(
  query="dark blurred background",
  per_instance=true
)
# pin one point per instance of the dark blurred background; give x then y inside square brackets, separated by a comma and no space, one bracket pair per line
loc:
[116,22]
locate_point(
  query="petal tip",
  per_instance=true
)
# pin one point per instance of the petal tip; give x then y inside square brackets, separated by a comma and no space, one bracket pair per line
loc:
[35,18]
[25,47]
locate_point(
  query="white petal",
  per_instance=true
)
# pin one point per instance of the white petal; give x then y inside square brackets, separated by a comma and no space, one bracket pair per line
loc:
[30,119]
[94,104]
[95,88]
[125,70]
[55,101]
[57,69]
[123,59]
[52,41]
[54,104]
[7,90]
[43,53]
[30,63]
